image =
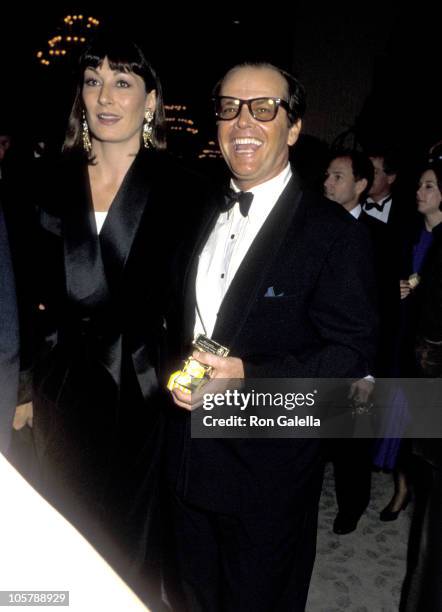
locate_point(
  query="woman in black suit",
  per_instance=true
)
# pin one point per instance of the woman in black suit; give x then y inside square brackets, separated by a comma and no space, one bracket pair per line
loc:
[108,217]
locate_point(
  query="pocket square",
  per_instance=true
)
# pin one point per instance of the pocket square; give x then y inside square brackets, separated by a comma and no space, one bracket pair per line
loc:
[271,293]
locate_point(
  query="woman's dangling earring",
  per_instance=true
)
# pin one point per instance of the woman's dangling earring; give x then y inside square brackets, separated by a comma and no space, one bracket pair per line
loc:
[148,129]
[87,145]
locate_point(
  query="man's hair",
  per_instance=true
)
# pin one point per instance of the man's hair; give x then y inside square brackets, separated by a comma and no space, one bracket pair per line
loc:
[361,166]
[295,90]
[390,161]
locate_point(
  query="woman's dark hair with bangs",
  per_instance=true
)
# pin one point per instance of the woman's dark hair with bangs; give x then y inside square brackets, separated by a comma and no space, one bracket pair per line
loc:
[295,89]
[125,56]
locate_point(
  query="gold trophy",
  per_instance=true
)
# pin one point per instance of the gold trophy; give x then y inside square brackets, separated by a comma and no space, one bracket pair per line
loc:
[194,374]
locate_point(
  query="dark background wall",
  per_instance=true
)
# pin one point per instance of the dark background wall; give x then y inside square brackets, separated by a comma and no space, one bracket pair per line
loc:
[378,73]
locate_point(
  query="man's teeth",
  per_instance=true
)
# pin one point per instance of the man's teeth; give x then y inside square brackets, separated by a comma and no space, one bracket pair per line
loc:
[247,141]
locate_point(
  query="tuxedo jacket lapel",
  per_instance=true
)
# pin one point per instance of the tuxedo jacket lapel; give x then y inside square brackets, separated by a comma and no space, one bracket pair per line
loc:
[124,218]
[256,264]
[94,264]
[117,239]
[85,276]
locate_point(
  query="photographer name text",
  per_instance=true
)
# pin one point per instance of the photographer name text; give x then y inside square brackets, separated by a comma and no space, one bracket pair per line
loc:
[255,421]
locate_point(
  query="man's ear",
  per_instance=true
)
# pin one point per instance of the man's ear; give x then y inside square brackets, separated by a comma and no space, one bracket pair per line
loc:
[361,186]
[294,132]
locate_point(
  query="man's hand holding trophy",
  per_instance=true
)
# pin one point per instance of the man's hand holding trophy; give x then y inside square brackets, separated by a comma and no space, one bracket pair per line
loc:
[208,362]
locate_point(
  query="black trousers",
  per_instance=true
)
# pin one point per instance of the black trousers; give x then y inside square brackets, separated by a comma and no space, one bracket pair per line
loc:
[352,464]
[257,562]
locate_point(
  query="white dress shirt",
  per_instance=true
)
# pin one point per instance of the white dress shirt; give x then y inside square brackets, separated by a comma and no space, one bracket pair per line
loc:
[227,246]
[356,211]
[381,215]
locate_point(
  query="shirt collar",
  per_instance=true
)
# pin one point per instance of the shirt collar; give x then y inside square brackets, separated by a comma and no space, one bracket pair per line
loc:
[356,211]
[380,202]
[275,184]
[265,195]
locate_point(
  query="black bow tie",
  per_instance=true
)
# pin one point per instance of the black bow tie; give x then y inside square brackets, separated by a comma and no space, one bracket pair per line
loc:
[378,205]
[243,197]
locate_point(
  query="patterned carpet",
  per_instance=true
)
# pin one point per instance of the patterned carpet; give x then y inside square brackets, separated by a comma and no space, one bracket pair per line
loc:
[361,571]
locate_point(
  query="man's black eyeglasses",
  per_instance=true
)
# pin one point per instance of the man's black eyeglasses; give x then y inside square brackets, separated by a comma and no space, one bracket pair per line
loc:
[261,109]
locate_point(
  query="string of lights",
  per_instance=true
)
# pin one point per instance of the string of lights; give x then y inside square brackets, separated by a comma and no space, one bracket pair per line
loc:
[78,31]
[179,123]
[210,151]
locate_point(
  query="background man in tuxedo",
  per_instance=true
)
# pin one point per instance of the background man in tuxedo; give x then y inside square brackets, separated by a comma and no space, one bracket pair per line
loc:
[286,284]
[348,179]
[388,201]
[379,203]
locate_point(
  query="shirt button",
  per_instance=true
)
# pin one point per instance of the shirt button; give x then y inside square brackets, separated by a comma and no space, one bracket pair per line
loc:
[222,275]
[232,236]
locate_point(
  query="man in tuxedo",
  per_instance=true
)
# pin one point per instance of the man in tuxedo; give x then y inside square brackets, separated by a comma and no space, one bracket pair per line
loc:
[280,277]
[379,203]
[348,179]
[387,202]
